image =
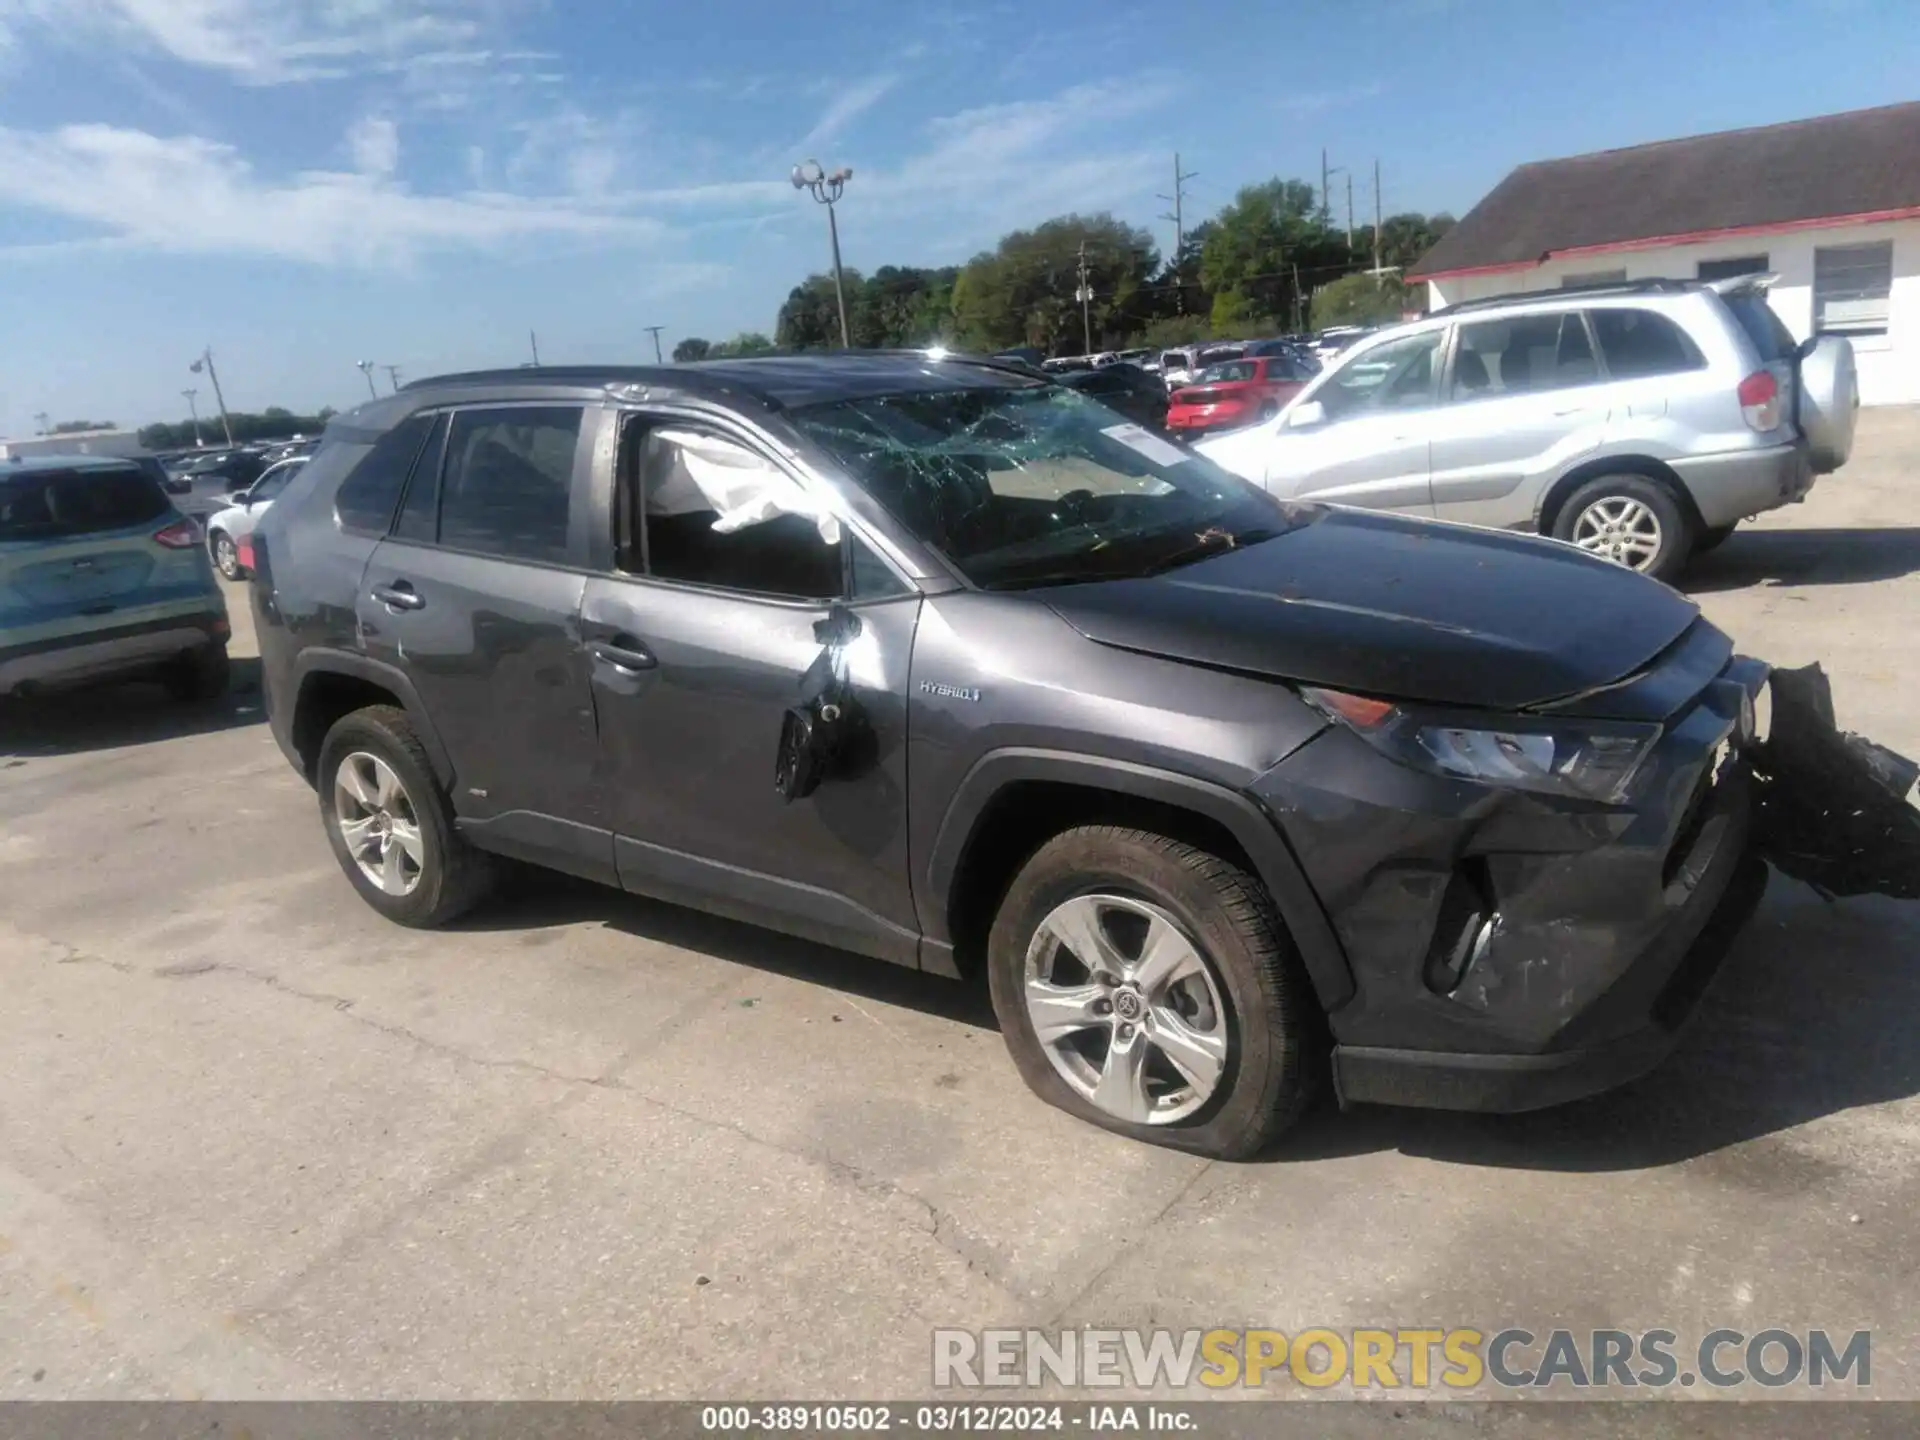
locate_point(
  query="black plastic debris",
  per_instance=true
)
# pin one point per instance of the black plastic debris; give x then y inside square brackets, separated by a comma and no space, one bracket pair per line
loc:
[1834,809]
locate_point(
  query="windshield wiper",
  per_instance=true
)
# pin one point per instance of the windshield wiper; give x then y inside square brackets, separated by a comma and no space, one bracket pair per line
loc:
[1211,542]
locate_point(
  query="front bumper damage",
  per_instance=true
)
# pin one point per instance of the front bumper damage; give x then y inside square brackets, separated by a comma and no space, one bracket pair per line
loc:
[1511,954]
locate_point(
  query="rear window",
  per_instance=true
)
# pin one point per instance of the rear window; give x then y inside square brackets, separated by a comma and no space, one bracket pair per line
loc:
[53,504]
[1637,343]
[1764,328]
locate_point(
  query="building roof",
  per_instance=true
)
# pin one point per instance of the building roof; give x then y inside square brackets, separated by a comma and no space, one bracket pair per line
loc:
[35,464]
[1859,166]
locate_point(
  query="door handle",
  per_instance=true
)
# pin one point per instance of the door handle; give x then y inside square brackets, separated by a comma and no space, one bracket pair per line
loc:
[623,653]
[399,596]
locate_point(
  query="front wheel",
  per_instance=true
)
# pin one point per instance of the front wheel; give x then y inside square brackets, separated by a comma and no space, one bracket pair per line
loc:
[1632,520]
[1149,987]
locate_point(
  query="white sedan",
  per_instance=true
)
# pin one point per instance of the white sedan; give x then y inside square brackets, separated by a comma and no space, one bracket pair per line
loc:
[227,528]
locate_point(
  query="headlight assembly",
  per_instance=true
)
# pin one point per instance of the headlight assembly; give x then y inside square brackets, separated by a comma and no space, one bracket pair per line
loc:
[1591,759]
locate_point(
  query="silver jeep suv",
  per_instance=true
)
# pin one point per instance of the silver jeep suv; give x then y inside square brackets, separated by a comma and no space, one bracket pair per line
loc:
[1641,422]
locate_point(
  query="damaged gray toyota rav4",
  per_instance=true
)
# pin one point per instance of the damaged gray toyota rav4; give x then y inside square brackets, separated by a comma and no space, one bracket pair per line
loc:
[939,662]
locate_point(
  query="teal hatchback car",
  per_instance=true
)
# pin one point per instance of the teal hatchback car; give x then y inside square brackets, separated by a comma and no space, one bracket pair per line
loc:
[102,578]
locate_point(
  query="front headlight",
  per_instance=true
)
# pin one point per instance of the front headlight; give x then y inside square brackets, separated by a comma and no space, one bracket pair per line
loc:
[1591,759]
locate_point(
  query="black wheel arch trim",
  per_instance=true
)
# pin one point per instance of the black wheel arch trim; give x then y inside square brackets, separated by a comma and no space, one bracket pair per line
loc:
[388,677]
[1242,816]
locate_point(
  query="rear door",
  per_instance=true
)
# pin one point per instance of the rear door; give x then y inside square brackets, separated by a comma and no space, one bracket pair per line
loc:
[79,553]
[1524,399]
[475,594]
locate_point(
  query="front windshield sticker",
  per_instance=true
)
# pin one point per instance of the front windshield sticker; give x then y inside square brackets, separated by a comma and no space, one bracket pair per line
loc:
[1144,442]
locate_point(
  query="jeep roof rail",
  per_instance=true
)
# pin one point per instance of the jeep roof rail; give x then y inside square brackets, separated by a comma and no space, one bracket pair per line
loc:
[1599,287]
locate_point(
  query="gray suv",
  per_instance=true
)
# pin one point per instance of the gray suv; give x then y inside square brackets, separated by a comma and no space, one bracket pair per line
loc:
[940,662]
[1641,422]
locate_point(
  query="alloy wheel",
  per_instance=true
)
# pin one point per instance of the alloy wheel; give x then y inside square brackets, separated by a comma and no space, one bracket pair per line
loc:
[1622,529]
[1127,1008]
[226,556]
[378,821]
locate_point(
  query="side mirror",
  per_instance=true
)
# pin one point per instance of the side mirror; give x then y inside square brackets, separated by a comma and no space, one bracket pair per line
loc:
[1310,412]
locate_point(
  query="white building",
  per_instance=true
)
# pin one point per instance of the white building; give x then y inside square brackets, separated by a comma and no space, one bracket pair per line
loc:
[76,442]
[1830,205]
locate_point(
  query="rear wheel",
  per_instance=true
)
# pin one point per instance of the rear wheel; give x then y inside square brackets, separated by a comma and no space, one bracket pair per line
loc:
[1269,410]
[1632,520]
[390,822]
[226,555]
[1149,987]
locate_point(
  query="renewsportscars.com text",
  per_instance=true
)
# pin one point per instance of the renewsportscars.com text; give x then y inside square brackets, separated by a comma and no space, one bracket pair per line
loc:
[1460,1358]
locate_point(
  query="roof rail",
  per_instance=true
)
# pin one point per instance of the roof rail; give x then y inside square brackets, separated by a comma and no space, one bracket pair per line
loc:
[1602,287]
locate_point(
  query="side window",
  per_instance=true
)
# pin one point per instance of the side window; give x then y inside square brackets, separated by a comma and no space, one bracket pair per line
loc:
[1396,375]
[271,483]
[420,512]
[702,510]
[1524,354]
[365,500]
[506,487]
[1638,343]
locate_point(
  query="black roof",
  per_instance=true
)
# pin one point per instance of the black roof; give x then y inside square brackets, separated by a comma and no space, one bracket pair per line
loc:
[784,381]
[1863,162]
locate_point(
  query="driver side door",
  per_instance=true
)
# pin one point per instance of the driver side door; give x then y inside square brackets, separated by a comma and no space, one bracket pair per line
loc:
[1372,446]
[697,642]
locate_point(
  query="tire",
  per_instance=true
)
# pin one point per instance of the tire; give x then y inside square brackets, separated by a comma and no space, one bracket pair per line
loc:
[1268,411]
[1251,1003]
[1639,502]
[1713,539]
[199,675]
[225,554]
[441,876]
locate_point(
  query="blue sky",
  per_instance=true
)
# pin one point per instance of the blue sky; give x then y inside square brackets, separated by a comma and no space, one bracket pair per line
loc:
[305,183]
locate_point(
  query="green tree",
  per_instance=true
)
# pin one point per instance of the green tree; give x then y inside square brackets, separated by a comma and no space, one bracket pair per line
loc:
[810,318]
[1362,299]
[1405,239]
[273,423]
[1257,244]
[747,342]
[75,427]
[1022,292]
[691,348]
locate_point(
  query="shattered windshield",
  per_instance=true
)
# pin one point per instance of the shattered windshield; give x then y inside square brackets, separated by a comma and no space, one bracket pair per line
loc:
[1037,485]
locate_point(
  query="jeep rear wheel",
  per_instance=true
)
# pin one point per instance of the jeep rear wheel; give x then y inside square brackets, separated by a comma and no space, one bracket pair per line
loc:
[390,822]
[1632,520]
[1148,986]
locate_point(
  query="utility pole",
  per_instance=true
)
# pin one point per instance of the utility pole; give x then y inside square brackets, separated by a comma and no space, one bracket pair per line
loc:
[193,411]
[1376,222]
[366,369]
[45,420]
[1349,213]
[827,188]
[533,341]
[1180,179]
[205,362]
[1085,296]
[393,376]
[1299,301]
[654,330]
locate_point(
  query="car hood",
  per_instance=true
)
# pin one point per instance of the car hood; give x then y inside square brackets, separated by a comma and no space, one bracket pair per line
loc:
[1402,609]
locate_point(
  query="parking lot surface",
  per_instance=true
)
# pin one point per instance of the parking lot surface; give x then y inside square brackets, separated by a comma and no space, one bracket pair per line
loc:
[256,1142]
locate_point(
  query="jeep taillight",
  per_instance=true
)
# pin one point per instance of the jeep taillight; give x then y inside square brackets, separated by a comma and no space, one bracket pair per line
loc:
[1760,400]
[177,536]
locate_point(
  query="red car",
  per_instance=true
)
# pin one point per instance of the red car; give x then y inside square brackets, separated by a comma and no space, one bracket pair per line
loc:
[1235,392]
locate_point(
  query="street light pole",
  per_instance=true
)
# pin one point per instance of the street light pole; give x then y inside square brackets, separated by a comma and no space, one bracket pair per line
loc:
[393,376]
[194,411]
[827,189]
[205,362]
[654,330]
[366,372]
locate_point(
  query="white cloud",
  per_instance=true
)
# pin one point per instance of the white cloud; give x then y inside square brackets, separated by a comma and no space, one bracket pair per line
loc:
[259,41]
[191,194]
[375,144]
[848,105]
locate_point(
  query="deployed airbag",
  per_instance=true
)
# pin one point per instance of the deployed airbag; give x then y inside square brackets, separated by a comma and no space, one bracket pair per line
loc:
[740,487]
